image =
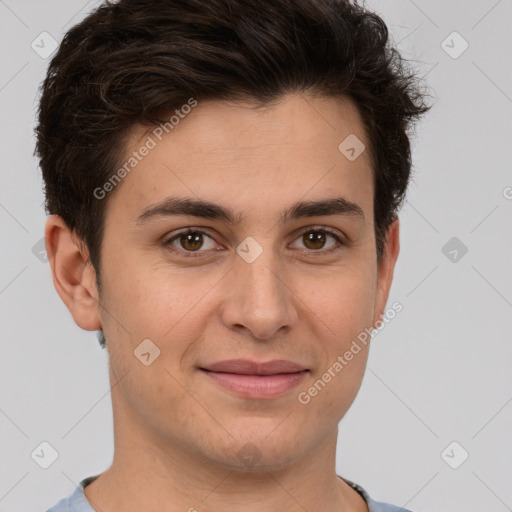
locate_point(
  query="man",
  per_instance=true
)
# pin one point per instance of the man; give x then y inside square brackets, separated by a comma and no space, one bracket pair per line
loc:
[223,180]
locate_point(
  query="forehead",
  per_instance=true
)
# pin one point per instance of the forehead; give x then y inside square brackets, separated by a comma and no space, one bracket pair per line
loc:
[295,148]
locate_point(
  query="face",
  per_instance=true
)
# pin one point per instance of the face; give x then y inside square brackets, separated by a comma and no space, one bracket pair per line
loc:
[278,266]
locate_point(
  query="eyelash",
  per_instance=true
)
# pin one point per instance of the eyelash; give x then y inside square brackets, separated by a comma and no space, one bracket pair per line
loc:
[195,254]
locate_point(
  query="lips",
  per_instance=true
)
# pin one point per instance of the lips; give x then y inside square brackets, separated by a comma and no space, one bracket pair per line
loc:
[247,367]
[257,380]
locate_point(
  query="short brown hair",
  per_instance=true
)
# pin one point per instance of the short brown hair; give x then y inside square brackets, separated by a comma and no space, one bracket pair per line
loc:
[134,61]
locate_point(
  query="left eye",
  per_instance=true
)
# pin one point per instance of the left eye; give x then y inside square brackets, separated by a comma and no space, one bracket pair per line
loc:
[316,239]
[191,241]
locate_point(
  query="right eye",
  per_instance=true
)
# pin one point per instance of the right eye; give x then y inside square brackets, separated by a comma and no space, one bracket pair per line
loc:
[190,240]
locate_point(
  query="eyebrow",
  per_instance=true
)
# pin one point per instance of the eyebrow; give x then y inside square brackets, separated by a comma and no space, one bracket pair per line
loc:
[174,206]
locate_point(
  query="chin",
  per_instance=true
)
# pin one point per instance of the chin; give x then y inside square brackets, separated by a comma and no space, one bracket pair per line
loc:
[258,453]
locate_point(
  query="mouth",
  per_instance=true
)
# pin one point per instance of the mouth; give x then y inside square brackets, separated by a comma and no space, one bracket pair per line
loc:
[251,379]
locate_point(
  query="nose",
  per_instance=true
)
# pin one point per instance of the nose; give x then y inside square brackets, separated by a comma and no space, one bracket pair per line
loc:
[259,298]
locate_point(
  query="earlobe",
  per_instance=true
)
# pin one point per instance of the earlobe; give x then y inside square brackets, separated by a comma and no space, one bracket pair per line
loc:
[385,269]
[73,276]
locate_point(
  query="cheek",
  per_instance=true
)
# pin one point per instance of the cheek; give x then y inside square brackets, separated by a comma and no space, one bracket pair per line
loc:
[153,300]
[335,383]
[342,388]
[344,303]
[344,313]
[173,313]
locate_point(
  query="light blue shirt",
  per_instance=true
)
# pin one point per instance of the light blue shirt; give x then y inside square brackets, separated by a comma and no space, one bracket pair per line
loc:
[77,502]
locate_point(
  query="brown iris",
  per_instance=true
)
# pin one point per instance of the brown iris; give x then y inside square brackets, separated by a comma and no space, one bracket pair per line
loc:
[316,238]
[191,241]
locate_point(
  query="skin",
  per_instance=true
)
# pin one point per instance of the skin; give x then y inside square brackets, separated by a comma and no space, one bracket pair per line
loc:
[176,433]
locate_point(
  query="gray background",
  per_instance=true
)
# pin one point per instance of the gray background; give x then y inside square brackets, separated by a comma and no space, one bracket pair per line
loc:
[438,373]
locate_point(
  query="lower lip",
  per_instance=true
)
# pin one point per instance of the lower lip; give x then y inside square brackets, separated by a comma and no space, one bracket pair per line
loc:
[257,386]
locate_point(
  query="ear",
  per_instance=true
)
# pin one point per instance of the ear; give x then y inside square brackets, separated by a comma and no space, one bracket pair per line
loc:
[385,270]
[73,276]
